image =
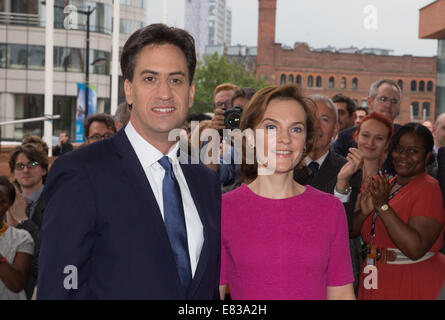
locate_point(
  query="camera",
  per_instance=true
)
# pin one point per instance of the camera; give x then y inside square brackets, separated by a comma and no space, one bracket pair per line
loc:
[232,117]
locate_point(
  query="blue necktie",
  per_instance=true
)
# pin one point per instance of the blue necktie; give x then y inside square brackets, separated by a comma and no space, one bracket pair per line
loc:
[175,223]
[314,166]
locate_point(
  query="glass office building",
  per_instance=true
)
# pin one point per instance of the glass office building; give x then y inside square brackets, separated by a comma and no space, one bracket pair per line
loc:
[22,59]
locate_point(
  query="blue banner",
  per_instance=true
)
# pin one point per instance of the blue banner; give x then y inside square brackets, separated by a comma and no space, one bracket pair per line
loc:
[80,109]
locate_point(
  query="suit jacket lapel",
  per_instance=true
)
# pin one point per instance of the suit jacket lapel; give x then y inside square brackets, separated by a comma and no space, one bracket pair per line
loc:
[192,181]
[140,186]
[327,172]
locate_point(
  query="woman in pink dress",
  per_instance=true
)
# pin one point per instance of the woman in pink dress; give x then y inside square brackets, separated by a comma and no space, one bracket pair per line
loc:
[282,240]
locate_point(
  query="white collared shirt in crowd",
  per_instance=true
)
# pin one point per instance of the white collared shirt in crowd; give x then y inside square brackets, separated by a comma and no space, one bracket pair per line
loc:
[344,198]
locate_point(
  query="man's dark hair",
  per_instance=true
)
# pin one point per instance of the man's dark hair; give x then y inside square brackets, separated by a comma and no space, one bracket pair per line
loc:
[158,34]
[363,109]
[243,93]
[36,141]
[350,104]
[100,117]
[33,153]
[4,181]
[198,117]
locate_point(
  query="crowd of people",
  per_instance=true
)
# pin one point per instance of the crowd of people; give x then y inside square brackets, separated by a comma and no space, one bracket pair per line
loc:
[121,217]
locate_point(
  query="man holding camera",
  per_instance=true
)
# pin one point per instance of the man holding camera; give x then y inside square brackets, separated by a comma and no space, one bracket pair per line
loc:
[222,98]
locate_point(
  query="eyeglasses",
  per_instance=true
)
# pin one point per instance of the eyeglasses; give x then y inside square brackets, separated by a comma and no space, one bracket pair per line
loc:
[100,137]
[385,99]
[30,165]
[409,150]
[222,103]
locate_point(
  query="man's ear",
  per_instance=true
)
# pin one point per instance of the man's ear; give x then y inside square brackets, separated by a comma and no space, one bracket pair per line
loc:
[336,130]
[370,106]
[128,87]
[191,94]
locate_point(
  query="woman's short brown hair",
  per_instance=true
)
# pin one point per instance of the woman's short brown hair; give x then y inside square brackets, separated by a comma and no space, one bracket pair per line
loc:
[256,108]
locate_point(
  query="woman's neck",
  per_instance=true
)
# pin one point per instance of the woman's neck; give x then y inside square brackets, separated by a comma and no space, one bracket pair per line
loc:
[276,186]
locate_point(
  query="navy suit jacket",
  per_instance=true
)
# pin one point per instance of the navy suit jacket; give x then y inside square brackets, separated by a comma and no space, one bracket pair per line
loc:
[102,217]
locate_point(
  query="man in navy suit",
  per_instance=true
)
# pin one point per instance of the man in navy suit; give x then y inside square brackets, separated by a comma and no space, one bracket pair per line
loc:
[125,219]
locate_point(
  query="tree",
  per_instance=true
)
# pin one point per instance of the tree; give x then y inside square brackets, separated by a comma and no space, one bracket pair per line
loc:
[215,70]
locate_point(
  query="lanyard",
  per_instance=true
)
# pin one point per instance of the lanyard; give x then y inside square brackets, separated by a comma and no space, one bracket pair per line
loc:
[376,213]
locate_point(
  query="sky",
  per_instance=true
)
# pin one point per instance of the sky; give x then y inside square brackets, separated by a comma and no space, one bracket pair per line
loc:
[386,24]
[339,23]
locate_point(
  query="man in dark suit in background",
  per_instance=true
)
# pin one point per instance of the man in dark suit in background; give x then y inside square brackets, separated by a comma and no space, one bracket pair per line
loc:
[125,219]
[384,96]
[323,166]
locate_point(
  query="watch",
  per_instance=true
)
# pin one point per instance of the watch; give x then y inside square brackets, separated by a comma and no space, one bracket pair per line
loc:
[384,208]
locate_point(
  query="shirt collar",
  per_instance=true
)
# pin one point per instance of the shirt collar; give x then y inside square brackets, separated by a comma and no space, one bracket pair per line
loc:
[147,154]
[35,196]
[319,160]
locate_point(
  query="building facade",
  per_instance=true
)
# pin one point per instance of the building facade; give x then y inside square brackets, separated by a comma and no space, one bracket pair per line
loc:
[220,23]
[22,59]
[348,72]
[197,22]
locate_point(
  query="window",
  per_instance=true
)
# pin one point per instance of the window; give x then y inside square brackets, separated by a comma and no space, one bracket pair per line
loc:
[68,59]
[66,107]
[429,86]
[298,79]
[125,26]
[414,85]
[291,78]
[415,108]
[28,106]
[17,56]
[3,55]
[126,2]
[426,109]
[283,79]
[24,6]
[400,84]
[331,82]
[100,19]
[355,101]
[102,59]
[422,85]
[141,4]
[343,83]
[318,82]
[310,81]
[354,84]
[36,57]
[364,103]
[139,24]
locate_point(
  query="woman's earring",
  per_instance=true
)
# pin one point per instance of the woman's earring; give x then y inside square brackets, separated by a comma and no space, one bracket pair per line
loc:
[130,106]
[304,149]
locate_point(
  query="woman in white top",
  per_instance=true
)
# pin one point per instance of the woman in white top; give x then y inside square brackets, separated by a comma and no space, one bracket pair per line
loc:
[16,249]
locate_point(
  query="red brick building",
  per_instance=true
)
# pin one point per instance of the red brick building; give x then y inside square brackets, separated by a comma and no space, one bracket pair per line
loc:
[350,74]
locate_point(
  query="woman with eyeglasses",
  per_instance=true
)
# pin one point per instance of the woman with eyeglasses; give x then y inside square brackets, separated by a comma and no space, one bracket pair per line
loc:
[402,223]
[16,249]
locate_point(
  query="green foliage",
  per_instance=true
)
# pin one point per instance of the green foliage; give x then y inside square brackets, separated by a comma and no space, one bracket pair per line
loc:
[215,70]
